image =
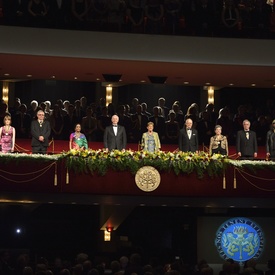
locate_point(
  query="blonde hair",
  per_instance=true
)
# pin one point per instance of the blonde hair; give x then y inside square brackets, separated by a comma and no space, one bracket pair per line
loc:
[7,117]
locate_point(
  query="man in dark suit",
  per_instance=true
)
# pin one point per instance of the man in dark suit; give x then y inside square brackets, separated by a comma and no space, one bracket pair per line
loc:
[40,131]
[246,144]
[188,138]
[115,136]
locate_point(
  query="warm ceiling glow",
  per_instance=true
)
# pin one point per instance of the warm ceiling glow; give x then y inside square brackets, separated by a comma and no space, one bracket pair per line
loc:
[210,91]
[107,236]
[5,92]
[16,201]
[109,94]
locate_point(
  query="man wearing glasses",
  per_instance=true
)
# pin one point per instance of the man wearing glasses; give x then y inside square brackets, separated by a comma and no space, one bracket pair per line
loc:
[40,130]
[246,144]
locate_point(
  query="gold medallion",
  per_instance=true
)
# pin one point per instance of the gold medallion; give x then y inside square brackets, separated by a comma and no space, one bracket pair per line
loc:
[147,178]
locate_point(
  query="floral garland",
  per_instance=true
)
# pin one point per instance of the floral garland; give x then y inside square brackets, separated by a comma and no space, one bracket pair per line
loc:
[4,158]
[180,162]
[100,161]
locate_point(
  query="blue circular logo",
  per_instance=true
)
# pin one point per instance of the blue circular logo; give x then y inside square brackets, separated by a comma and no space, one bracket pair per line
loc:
[239,239]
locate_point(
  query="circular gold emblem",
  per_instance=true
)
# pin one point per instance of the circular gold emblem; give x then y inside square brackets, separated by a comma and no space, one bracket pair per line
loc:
[147,178]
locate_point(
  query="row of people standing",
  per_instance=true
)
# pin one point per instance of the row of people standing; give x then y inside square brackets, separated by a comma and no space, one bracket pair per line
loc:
[115,138]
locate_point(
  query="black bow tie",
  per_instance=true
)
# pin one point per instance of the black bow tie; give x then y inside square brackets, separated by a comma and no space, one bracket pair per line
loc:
[114,125]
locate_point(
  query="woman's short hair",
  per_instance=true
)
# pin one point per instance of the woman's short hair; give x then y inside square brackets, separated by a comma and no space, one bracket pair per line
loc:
[150,123]
[218,126]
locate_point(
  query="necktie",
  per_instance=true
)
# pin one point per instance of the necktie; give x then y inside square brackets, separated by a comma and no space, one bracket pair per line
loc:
[189,133]
[115,129]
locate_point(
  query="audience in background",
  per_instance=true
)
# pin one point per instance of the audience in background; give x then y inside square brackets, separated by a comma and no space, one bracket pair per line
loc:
[205,18]
[65,115]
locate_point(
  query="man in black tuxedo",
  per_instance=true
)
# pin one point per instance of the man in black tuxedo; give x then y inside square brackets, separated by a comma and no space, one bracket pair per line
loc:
[188,138]
[40,131]
[246,143]
[115,136]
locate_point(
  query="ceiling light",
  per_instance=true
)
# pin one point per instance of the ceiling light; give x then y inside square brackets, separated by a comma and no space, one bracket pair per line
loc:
[186,82]
[112,77]
[75,78]
[143,81]
[231,84]
[253,85]
[29,75]
[207,83]
[53,76]
[157,79]
[6,74]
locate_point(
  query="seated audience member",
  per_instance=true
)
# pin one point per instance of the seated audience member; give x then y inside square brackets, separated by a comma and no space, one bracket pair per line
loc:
[70,120]
[227,125]
[103,120]
[172,129]
[59,13]
[139,124]
[261,126]
[192,113]
[179,115]
[79,10]
[89,125]
[57,123]
[22,122]
[144,109]
[159,122]
[205,128]
[37,10]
